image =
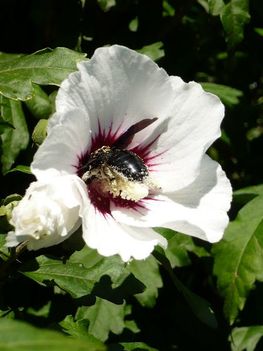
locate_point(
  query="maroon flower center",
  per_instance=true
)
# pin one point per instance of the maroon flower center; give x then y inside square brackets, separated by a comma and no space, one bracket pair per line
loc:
[109,149]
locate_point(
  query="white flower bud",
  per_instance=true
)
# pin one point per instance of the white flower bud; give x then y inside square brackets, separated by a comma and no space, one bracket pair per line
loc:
[48,213]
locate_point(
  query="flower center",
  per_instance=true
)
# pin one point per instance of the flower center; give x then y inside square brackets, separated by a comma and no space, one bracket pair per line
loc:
[118,172]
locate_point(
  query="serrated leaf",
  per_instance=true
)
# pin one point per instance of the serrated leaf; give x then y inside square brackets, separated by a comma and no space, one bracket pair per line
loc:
[14,139]
[154,51]
[136,346]
[73,277]
[147,271]
[46,67]
[246,338]
[99,266]
[239,257]
[75,328]
[234,17]
[229,96]
[20,336]
[104,317]
[132,326]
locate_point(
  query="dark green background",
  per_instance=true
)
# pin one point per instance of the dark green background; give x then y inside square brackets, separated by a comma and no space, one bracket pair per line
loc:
[195,48]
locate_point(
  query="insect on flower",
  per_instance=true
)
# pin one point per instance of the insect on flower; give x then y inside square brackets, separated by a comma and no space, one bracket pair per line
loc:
[120,172]
[137,140]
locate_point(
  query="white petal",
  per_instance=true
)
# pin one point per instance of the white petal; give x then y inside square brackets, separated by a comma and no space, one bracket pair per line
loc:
[199,210]
[63,146]
[109,237]
[116,87]
[69,188]
[192,124]
[48,213]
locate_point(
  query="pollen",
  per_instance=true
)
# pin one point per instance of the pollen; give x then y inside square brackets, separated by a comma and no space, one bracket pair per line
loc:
[120,173]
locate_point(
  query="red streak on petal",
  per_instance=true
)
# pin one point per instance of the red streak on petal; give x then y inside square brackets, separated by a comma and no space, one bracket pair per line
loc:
[103,201]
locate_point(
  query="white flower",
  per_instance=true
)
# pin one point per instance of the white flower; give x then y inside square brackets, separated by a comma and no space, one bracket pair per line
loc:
[48,213]
[137,138]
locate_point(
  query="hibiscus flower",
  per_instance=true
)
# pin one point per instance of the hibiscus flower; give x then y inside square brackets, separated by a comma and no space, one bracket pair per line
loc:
[137,139]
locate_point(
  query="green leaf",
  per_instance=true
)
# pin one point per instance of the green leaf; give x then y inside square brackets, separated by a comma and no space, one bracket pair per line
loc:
[4,125]
[234,17]
[99,266]
[75,328]
[11,199]
[136,346]
[5,57]
[154,51]
[39,105]
[168,10]
[254,133]
[13,140]
[244,195]
[83,2]
[246,338]
[46,67]
[2,242]
[21,168]
[87,256]
[253,190]
[147,271]
[103,317]
[179,246]
[106,5]
[20,336]
[239,257]
[259,31]
[204,4]
[71,277]
[229,96]
[44,311]
[40,132]
[133,25]
[216,7]
[6,209]
[132,326]
[74,277]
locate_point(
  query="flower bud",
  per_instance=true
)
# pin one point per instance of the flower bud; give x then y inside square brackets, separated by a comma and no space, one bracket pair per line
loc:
[47,214]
